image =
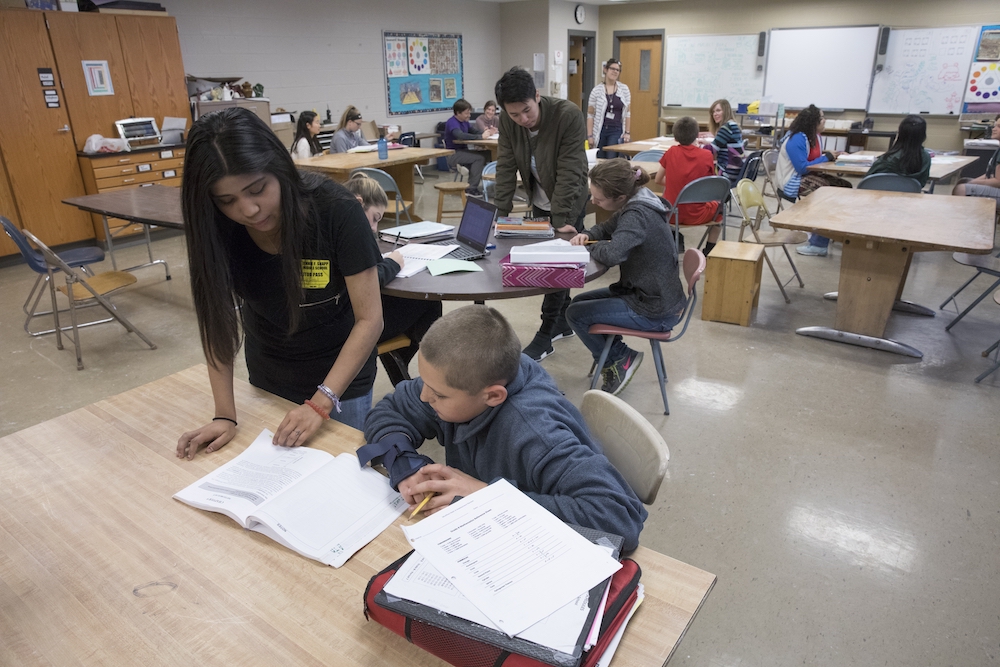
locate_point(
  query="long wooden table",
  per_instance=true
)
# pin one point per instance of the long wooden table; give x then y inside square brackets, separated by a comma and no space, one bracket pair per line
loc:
[150,205]
[99,566]
[636,147]
[943,167]
[399,164]
[880,232]
[492,145]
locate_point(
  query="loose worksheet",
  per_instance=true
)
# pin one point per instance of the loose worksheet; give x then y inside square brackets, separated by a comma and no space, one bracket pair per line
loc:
[512,558]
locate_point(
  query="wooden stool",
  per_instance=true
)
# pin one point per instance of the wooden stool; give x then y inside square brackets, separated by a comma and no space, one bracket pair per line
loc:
[732,282]
[450,188]
[388,353]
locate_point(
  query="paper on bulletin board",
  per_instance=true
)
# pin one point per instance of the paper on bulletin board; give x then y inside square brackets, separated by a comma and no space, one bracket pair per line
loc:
[539,62]
[396,63]
[557,74]
[98,77]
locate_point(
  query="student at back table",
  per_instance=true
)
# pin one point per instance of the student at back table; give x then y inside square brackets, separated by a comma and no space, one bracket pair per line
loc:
[457,129]
[498,414]
[907,155]
[543,139]
[987,185]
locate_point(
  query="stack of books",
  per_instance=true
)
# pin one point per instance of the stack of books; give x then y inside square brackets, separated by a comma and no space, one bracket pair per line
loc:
[523,228]
[553,263]
[417,232]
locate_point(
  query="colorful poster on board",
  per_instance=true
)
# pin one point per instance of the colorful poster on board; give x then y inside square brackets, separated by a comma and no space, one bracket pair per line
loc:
[423,72]
[982,86]
[396,63]
[984,83]
[417,51]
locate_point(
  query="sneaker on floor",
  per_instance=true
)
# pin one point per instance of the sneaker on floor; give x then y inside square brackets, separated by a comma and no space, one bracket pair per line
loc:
[539,347]
[566,333]
[473,192]
[811,250]
[617,374]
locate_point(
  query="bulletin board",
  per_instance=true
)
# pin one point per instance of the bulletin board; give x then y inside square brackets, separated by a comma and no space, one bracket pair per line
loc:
[423,71]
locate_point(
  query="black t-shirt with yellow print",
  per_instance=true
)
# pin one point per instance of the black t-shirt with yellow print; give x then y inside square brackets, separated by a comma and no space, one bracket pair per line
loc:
[338,243]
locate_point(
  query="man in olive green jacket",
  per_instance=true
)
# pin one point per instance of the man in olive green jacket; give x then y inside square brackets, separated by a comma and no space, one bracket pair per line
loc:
[543,139]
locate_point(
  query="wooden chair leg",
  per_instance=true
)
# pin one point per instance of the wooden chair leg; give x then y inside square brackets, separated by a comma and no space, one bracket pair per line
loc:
[440,204]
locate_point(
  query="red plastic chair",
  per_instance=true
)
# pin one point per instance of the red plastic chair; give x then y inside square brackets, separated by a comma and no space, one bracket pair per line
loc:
[694,266]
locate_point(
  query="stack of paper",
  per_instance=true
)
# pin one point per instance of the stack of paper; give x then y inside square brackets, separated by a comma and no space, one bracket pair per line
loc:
[557,252]
[524,228]
[500,560]
[855,160]
[416,256]
[417,232]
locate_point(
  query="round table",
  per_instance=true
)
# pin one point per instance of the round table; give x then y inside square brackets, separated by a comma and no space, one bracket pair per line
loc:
[477,286]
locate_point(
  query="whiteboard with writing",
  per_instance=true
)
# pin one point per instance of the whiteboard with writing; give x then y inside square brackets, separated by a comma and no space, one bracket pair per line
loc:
[705,68]
[924,71]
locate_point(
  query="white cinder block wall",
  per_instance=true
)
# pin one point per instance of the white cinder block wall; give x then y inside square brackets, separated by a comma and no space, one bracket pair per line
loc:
[310,53]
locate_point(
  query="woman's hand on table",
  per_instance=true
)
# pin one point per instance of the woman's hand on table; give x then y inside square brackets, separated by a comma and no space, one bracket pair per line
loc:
[579,239]
[297,427]
[216,434]
[397,257]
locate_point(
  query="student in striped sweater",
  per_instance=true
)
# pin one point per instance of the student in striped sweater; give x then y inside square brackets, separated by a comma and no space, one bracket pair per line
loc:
[728,135]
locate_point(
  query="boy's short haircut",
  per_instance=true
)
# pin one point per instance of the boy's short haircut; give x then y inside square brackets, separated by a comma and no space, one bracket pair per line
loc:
[686,130]
[516,85]
[460,105]
[474,347]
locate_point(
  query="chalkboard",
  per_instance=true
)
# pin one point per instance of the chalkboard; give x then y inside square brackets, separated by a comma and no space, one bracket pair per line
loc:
[828,67]
[705,68]
[924,71]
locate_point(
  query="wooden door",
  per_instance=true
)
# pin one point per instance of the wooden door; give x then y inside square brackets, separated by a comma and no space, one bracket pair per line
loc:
[154,65]
[87,36]
[641,59]
[8,209]
[575,94]
[35,140]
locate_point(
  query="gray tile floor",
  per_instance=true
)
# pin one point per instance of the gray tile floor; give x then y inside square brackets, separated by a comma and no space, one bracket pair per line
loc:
[847,499]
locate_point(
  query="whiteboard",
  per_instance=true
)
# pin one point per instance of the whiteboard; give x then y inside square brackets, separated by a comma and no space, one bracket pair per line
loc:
[828,67]
[705,68]
[924,71]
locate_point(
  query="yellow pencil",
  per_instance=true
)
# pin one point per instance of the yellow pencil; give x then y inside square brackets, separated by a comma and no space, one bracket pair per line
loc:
[421,505]
[589,242]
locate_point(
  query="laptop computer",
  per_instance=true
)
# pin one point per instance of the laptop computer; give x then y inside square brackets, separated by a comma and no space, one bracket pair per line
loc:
[473,231]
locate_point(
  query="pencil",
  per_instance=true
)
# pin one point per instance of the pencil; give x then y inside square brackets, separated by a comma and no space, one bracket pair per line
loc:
[421,505]
[590,242]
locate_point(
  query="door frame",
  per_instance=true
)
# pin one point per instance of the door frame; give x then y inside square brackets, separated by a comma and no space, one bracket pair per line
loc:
[589,61]
[662,34]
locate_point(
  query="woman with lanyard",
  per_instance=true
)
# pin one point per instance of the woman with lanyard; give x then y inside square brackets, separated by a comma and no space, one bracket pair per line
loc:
[608,111]
[284,263]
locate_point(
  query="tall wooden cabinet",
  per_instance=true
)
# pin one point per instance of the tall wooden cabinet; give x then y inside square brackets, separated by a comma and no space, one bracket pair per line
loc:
[38,144]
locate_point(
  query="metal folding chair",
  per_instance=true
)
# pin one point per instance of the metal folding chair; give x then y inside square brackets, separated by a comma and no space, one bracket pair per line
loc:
[388,184]
[749,196]
[410,139]
[701,191]
[890,183]
[80,287]
[652,155]
[984,264]
[769,159]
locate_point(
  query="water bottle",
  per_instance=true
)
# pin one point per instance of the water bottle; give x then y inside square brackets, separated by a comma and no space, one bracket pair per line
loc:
[383,149]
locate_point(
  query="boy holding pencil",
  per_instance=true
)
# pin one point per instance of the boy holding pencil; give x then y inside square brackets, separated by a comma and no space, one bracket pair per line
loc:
[498,414]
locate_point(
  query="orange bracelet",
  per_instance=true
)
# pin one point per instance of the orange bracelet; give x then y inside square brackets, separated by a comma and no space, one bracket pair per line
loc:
[320,411]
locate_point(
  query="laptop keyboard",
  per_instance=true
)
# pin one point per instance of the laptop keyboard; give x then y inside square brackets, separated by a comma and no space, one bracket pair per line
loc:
[461,252]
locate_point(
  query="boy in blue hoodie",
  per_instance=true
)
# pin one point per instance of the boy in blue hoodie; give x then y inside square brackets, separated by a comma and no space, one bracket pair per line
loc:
[498,414]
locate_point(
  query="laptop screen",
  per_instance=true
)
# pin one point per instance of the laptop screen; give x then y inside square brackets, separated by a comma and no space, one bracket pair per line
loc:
[477,220]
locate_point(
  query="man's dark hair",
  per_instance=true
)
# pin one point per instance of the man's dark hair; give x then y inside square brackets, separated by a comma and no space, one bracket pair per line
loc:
[516,85]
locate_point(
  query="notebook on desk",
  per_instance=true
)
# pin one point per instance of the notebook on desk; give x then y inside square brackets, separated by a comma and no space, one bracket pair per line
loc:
[473,231]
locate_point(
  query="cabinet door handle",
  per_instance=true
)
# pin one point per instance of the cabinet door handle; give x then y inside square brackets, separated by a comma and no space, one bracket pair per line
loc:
[124,160]
[127,180]
[64,128]
[127,170]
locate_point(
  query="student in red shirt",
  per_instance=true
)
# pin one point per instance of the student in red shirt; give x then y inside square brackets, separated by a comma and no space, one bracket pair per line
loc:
[682,164]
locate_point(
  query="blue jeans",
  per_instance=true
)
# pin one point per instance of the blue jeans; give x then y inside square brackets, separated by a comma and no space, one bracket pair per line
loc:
[353,411]
[600,307]
[610,136]
[818,241]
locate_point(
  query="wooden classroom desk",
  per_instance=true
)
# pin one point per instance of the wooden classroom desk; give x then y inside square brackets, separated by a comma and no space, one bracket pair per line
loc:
[493,145]
[399,164]
[943,167]
[150,205]
[635,147]
[880,232]
[99,565]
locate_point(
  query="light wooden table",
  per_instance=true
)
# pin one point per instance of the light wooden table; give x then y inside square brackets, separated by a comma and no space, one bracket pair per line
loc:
[635,147]
[943,167]
[100,566]
[880,232]
[399,164]
[492,145]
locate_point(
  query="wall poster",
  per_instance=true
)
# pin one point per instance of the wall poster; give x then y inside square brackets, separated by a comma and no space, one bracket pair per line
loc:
[423,71]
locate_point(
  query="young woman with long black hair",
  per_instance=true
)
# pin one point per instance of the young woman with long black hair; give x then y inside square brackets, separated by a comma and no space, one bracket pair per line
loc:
[306,144]
[286,263]
[907,155]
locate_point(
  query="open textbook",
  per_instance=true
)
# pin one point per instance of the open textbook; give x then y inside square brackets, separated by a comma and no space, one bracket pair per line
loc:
[324,507]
